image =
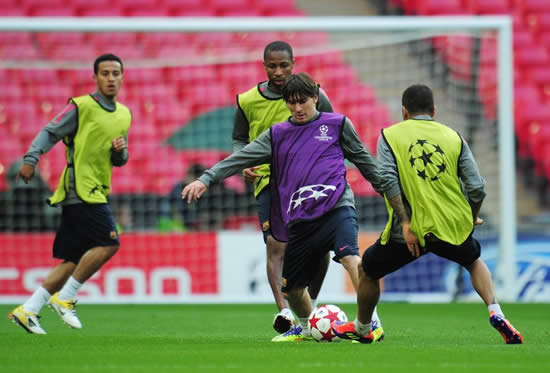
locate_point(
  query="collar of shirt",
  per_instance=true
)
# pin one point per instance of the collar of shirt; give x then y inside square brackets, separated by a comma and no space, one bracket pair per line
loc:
[107,103]
[422,117]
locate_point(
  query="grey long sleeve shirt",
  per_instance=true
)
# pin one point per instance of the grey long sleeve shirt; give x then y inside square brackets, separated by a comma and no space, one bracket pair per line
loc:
[473,184]
[241,127]
[259,152]
[64,125]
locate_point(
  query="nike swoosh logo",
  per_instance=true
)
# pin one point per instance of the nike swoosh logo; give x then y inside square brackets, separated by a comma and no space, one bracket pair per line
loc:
[343,248]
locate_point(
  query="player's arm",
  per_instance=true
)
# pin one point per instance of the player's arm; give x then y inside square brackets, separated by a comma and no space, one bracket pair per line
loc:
[323,104]
[355,152]
[388,168]
[256,153]
[64,124]
[473,183]
[241,129]
[119,151]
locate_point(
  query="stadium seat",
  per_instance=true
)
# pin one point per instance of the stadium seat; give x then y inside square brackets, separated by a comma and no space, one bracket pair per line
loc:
[186,75]
[531,6]
[269,7]
[360,186]
[48,11]
[19,52]
[37,76]
[11,11]
[530,56]
[111,11]
[488,6]
[440,7]
[10,92]
[539,22]
[147,12]
[241,222]
[222,6]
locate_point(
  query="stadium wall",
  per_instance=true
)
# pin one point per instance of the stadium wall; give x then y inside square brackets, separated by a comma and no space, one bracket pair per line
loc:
[229,267]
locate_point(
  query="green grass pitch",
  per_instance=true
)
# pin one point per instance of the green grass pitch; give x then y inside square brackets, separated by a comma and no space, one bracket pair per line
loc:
[236,338]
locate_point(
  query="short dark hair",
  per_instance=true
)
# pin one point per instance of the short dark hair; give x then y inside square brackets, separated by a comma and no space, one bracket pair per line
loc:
[107,57]
[418,99]
[299,86]
[280,46]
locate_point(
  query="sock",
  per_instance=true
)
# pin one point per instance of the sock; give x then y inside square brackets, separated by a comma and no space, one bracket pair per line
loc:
[376,318]
[361,328]
[69,290]
[314,303]
[495,307]
[304,324]
[37,300]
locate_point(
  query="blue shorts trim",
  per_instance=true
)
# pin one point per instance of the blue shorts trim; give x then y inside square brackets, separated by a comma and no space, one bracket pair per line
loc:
[84,226]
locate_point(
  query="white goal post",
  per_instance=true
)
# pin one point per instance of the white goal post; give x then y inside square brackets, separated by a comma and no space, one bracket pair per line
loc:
[506,271]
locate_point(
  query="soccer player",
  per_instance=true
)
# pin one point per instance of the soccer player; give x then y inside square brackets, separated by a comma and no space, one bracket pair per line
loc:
[94,129]
[426,162]
[258,109]
[309,192]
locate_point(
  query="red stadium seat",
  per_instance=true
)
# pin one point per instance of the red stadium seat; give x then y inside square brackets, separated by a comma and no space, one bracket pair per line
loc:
[531,6]
[49,11]
[239,222]
[269,7]
[529,56]
[228,5]
[19,52]
[112,11]
[187,75]
[488,6]
[440,7]
[11,11]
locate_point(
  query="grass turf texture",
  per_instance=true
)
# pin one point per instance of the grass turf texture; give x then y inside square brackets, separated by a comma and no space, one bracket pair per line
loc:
[207,338]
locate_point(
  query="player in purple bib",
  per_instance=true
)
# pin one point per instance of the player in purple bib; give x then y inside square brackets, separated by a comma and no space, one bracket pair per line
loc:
[309,191]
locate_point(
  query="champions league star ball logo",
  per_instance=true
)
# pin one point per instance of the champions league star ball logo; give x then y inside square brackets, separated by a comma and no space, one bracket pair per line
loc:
[307,192]
[427,159]
[323,137]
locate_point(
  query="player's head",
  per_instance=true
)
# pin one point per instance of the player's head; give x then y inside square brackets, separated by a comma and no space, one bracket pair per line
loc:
[278,63]
[108,71]
[417,99]
[301,94]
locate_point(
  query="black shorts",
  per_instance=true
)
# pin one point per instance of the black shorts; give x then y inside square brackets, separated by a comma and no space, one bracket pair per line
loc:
[379,260]
[263,204]
[84,226]
[309,241]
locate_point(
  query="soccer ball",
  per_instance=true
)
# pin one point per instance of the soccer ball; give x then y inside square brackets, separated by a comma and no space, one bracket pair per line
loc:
[320,320]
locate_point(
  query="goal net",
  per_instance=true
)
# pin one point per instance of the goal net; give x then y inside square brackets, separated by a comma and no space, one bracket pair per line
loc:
[180,81]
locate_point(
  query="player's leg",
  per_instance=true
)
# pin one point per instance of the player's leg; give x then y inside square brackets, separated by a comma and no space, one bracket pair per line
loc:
[299,267]
[26,315]
[95,228]
[378,260]
[275,253]
[314,287]
[468,255]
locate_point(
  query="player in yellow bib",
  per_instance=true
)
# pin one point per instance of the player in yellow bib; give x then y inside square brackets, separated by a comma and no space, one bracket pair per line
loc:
[94,129]
[258,109]
[428,164]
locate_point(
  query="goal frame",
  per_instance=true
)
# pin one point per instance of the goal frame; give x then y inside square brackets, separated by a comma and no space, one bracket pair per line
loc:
[506,270]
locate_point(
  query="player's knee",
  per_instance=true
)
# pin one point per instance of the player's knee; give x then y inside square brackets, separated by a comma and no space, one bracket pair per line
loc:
[275,249]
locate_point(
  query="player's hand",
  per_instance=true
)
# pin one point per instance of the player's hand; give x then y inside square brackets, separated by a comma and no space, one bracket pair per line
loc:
[26,172]
[411,240]
[193,191]
[250,175]
[119,144]
[478,221]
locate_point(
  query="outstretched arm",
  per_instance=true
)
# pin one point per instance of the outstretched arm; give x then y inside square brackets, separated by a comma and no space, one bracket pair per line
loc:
[194,191]
[64,124]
